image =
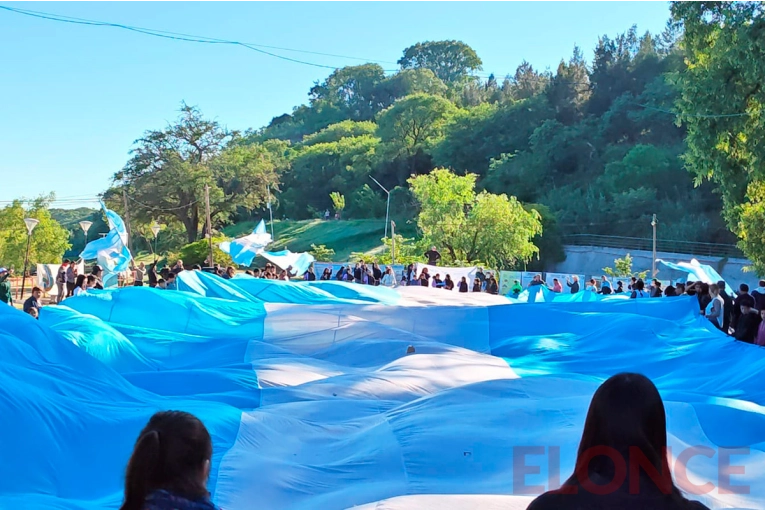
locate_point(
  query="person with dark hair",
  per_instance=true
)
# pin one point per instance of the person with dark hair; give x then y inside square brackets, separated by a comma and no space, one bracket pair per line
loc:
[743,293]
[463,287]
[377,273]
[492,287]
[96,272]
[309,275]
[81,285]
[477,285]
[619,287]
[437,281]
[170,465]
[138,275]
[638,290]
[170,283]
[727,306]
[670,291]
[152,274]
[61,281]
[633,283]
[605,286]
[702,294]
[627,419]
[71,278]
[759,296]
[748,323]
[34,300]
[448,283]
[680,287]
[656,288]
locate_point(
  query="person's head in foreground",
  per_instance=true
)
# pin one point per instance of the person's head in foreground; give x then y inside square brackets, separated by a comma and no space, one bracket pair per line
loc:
[33,312]
[170,464]
[622,458]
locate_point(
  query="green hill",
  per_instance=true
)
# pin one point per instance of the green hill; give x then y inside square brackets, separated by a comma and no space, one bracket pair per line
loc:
[342,236]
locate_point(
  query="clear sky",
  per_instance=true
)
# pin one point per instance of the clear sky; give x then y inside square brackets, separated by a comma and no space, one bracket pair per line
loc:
[74,97]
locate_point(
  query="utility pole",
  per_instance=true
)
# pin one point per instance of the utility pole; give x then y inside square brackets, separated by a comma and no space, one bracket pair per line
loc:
[127,221]
[392,244]
[209,222]
[270,212]
[653,224]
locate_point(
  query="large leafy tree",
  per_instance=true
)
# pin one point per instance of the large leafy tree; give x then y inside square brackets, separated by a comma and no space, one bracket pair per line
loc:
[449,60]
[470,227]
[414,123]
[722,105]
[49,239]
[166,176]
[352,90]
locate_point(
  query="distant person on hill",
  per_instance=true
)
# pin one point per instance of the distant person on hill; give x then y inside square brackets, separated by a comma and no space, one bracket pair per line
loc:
[433,256]
[33,301]
[759,296]
[6,293]
[477,285]
[748,323]
[448,283]
[463,285]
[626,417]
[714,309]
[170,465]
[574,286]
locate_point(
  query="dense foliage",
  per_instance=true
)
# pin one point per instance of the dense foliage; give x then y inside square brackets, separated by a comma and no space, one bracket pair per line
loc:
[722,106]
[49,239]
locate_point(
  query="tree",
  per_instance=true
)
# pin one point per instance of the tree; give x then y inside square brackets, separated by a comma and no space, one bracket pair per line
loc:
[338,202]
[414,123]
[344,129]
[722,105]
[321,253]
[49,239]
[495,229]
[623,269]
[167,173]
[353,90]
[449,60]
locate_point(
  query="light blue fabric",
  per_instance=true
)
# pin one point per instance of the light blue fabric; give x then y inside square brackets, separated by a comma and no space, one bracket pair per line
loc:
[110,252]
[300,262]
[318,405]
[698,272]
[246,248]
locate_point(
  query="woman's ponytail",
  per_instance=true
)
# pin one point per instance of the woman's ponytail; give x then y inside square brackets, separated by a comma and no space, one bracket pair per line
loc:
[141,470]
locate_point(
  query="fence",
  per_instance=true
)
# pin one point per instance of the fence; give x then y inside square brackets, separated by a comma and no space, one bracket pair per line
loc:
[662,245]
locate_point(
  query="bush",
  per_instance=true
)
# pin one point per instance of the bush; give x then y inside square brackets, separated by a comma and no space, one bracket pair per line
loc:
[197,253]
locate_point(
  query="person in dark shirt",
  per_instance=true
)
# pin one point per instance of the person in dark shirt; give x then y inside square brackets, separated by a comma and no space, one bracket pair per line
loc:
[702,294]
[448,283]
[619,287]
[481,277]
[656,288]
[759,296]
[670,291]
[574,286]
[377,273]
[749,321]
[34,300]
[98,273]
[492,287]
[152,274]
[477,285]
[626,417]
[735,315]
[463,285]
[433,256]
[727,306]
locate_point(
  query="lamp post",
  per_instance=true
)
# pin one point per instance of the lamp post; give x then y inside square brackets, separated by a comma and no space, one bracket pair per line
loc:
[85,225]
[387,207]
[653,267]
[31,223]
[155,230]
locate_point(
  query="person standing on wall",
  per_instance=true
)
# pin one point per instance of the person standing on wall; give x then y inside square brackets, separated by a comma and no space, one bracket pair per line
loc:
[433,256]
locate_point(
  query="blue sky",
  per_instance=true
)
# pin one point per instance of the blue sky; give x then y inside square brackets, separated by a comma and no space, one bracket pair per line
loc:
[76,97]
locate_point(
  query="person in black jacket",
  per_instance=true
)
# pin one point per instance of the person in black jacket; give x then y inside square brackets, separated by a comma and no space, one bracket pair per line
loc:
[727,306]
[735,315]
[574,286]
[748,322]
[626,419]
[433,256]
[152,274]
[759,296]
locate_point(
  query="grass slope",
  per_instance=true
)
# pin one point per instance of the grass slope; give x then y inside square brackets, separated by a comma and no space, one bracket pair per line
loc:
[344,236]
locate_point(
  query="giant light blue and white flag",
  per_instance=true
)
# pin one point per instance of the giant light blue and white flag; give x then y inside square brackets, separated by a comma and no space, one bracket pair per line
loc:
[246,248]
[299,262]
[110,252]
[698,271]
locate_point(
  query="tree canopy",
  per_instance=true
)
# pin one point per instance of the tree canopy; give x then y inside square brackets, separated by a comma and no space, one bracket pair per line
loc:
[49,239]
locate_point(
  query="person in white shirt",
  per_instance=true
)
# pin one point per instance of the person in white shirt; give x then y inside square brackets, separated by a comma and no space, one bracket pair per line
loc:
[389,278]
[714,309]
[80,285]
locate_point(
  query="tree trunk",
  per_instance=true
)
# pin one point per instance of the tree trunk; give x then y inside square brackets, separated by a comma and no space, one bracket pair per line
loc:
[191,222]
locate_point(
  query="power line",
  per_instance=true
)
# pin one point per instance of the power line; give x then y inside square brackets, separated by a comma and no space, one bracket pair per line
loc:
[181,37]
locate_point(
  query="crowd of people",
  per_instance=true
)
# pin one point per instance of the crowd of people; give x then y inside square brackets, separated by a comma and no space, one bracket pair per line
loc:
[171,460]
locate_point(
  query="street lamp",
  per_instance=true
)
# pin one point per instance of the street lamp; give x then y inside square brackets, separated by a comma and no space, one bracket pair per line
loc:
[155,228]
[85,225]
[31,223]
[653,224]
[387,207]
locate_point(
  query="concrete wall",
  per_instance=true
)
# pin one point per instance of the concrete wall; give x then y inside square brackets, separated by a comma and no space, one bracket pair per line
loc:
[590,260]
